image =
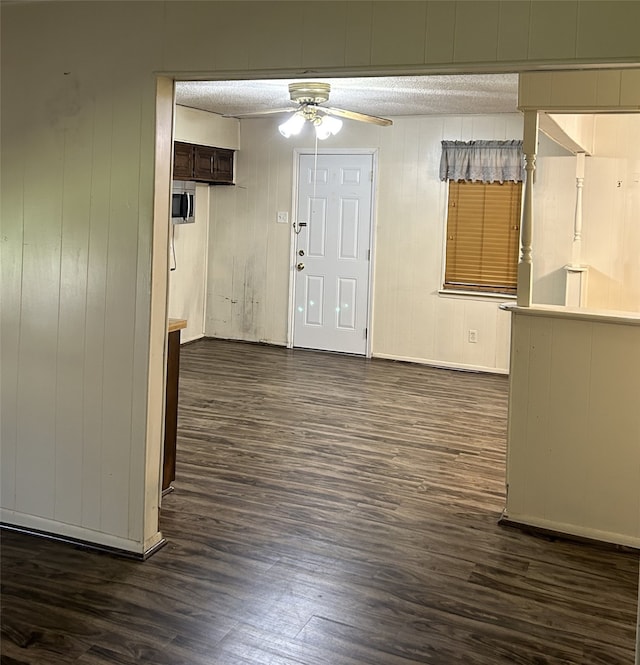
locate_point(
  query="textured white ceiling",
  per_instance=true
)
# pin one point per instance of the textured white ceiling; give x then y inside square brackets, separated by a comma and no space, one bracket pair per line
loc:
[382,96]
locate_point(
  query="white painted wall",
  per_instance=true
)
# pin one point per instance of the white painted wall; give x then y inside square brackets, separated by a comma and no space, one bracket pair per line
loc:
[78,145]
[249,259]
[188,268]
[611,209]
[611,245]
[196,126]
[79,452]
[553,220]
[578,128]
[189,242]
[573,462]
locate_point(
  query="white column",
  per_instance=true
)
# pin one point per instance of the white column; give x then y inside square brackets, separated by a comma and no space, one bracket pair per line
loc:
[576,273]
[576,248]
[525,267]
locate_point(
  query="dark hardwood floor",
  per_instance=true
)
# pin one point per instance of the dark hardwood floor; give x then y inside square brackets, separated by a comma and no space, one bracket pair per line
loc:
[328,510]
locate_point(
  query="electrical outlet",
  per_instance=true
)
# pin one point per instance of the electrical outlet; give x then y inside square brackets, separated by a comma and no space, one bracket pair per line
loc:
[283,218]
[473,336]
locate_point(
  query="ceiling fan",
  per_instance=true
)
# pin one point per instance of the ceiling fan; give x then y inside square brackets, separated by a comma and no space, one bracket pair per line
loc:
[308,97]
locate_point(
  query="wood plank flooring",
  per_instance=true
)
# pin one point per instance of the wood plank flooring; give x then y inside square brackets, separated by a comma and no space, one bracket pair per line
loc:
[328,510]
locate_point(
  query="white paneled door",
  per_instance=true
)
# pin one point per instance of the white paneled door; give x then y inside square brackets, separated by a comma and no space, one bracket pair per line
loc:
[332,252]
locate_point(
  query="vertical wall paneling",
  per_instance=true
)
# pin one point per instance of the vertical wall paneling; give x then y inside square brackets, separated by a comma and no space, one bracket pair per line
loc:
[440,30]
[12,167]
[84,278]
[196,126]
[553,30]
[476,31]
[573,455]
[317,19]
[611,204]
[630,88]
[513,30]
[189,242]
[76,204]
[567,409]
[398,32]
[120,312]
[411,320]
[621,19]
[280,23]
[187,282]
[95,324]
[37,359]
[69,67]
[358,33]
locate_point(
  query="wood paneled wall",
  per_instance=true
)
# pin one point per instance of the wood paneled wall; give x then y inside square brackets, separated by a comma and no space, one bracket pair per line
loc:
[78,122]
[78,182]
[188,248]
[611,244]
[189,242]
[249,261]
[611,208]
[573,460]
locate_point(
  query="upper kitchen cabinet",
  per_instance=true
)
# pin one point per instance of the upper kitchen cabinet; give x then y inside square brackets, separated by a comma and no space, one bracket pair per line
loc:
[183,154]
[213,165]
[202,163]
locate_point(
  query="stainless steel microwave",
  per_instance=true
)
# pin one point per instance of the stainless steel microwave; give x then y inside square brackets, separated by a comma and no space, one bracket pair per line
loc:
[183,198]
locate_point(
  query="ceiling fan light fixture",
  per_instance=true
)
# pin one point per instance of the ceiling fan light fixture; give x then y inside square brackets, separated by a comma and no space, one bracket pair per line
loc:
[292,125]
[327,126]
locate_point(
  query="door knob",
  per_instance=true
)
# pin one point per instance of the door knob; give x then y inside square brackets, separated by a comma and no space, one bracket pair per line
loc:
[300,266]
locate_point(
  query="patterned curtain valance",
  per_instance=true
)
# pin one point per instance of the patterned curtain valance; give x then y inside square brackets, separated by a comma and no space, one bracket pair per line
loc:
[486,161]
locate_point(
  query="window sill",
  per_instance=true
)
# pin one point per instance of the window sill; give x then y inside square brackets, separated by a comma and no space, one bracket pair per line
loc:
[476,295]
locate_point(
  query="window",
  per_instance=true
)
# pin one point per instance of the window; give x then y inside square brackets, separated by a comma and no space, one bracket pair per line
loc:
[483,218]
[483,232]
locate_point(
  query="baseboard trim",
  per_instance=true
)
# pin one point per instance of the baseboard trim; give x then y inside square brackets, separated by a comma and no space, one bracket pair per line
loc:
[84,544]
[556,534]
[440,364]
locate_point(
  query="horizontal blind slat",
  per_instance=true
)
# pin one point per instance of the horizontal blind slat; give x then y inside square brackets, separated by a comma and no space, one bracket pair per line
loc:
[483,234]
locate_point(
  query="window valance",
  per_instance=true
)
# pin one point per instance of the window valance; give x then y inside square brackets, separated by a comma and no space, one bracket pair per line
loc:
[486,161]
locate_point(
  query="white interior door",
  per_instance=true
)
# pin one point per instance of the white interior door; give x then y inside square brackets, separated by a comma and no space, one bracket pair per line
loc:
[332,252]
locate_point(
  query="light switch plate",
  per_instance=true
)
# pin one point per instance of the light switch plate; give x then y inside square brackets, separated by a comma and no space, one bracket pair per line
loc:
[283,218]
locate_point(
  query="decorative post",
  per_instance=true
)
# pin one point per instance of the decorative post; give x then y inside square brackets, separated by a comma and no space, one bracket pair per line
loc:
[576,284]
[576,248]
[525,266]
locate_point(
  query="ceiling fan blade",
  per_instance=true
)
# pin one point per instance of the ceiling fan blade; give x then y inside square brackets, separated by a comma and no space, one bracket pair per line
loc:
[354,115]
[255,114]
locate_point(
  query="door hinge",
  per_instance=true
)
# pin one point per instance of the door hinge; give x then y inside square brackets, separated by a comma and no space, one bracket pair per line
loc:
[368,255]
[366,330]
[371,176]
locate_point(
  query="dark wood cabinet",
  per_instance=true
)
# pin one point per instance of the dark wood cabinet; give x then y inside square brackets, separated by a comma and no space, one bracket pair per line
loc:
[183,155]
[202,163]
[213,164]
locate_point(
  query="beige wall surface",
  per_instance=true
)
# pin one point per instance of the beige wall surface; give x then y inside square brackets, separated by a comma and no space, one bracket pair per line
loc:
[250,265]
[78,122]
[611,246]
[573,464]
[188,249]
[611,209]
[196,126]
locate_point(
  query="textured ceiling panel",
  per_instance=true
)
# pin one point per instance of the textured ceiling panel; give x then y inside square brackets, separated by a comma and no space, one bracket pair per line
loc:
[382,96]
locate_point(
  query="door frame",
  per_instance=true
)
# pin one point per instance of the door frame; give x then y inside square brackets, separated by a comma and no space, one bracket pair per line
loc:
[297,153]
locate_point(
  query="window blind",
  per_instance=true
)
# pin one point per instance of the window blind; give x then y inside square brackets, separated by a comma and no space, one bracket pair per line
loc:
[483,233]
